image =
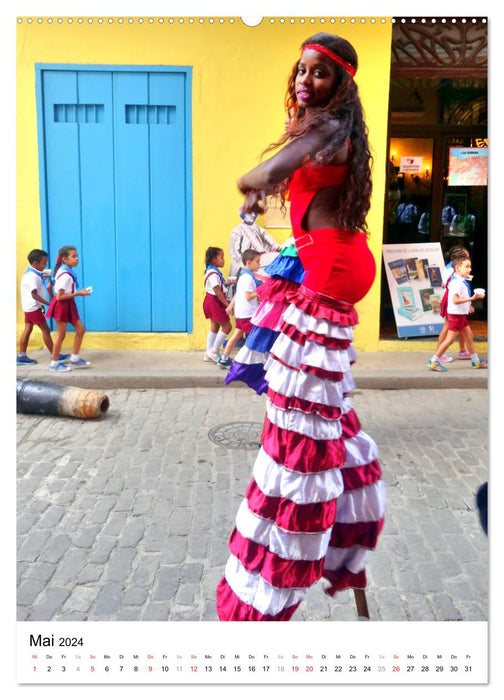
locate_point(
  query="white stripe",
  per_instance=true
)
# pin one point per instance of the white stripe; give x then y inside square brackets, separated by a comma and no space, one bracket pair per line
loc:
[352,353]
[254,591]
[306,386]
[321,326]
[310,424]
[276,480]
[360,450]
[311,353]
[294,546]
[246,356]
[354,558]
[362,505]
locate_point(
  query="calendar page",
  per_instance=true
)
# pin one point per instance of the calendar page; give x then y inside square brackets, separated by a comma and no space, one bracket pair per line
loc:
[184,502]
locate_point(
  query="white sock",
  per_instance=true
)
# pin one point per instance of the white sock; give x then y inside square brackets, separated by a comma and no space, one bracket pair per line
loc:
[221,336]
[474,357]
[210,341]
[54,363]
[434,358]
[74,358]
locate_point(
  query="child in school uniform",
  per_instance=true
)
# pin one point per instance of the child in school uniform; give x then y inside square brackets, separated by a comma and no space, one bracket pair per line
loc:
[215,303]
[64,309]
[33,299]
[244,303]
[454,252]
[458,309]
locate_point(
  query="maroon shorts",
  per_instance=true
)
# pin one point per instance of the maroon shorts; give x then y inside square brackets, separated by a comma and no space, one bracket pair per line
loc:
[457,322]
[37,317]
[65,311]
[214,310]
[244,324]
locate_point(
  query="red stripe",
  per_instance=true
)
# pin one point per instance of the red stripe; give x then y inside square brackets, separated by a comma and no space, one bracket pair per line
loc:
[280,573]
[299,452]
[343,579]
[301,337]
[322,306]
[357,477]
[231,608]
[308,517]
[275,289]
[350,424]
[322,373]
[345,535]
[296,404]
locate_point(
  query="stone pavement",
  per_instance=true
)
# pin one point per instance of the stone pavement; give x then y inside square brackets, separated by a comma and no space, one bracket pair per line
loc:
[127,517]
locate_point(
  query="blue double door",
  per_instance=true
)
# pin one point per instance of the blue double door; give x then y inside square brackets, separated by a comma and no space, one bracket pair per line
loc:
[115,172]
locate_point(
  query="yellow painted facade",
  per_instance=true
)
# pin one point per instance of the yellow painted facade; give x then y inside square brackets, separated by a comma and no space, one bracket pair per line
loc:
[238,88]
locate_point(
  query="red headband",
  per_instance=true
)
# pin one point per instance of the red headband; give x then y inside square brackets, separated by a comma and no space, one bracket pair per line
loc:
[322,49]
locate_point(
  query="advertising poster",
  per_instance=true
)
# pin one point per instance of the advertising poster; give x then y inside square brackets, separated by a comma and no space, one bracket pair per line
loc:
[415,274]
[411,164]
[468,166]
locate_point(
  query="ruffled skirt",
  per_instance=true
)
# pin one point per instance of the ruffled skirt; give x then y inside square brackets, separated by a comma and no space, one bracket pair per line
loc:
[286,274]
[316,502]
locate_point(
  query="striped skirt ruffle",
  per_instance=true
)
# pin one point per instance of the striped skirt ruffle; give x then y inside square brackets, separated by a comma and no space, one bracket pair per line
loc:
[316,502]
[286,273]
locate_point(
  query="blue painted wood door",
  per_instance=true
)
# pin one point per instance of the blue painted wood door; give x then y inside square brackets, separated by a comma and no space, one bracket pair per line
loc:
[114,150]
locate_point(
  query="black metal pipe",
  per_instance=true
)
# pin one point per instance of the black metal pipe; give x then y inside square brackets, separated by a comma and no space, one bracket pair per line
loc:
[44,398]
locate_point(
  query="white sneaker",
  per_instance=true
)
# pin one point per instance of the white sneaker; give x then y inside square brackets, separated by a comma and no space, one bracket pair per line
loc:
[81,363]
[211,356]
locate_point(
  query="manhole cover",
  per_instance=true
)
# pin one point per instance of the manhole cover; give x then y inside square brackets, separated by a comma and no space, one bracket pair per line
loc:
[241,435]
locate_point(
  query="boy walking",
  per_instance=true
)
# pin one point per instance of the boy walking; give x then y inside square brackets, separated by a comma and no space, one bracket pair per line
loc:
[459,307]
[33,298]
[244,303]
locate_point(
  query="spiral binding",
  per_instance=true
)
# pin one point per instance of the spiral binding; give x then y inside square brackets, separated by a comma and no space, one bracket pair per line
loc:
[233,20]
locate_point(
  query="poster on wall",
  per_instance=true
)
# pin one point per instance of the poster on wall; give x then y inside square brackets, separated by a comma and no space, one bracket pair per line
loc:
[411,164]
[468,166]
[415,273]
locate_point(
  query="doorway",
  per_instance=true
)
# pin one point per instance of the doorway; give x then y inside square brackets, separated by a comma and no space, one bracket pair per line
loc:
[115,174]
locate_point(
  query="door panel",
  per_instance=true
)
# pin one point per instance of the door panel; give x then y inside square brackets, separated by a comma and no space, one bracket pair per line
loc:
[131,155]
[98,250]
[168,217]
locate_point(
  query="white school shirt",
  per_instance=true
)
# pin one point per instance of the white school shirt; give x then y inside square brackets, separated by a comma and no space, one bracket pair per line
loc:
[213,279]
[458,286]
[31,281]
[64,281]
[244,308]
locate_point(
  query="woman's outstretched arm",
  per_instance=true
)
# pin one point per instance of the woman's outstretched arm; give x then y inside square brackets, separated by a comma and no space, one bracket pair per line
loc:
[275,169]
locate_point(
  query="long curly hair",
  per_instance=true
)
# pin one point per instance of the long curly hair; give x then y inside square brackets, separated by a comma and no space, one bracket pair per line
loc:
[344,111]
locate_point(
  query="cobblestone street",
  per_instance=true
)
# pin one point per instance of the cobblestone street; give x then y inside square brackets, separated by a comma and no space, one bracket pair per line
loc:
[127,517]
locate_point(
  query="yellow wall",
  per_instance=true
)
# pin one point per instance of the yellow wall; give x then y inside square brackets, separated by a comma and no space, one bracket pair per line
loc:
[239,81]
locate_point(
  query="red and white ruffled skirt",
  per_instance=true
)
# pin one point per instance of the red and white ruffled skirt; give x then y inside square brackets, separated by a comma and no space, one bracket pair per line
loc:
[316,502]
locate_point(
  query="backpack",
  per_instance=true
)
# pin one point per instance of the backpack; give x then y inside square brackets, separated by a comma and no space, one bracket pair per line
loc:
[443,310]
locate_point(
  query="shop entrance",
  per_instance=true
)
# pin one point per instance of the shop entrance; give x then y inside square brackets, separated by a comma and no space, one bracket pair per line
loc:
[438,148]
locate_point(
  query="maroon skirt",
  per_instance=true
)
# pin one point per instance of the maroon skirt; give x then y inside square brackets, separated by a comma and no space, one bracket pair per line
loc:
[214,310]
[65,310]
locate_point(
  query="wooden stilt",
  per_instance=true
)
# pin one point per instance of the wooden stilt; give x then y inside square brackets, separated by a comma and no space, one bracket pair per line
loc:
[361,603]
